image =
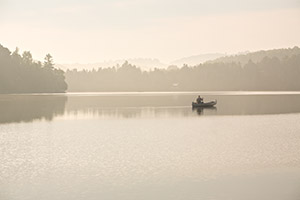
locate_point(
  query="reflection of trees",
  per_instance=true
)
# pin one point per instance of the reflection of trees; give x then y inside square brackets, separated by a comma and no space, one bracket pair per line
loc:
[140,106]
[26,108]
[129,106]
[139,112]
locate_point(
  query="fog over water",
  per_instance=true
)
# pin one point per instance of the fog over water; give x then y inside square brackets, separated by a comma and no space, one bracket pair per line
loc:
[150,146]
[31,107]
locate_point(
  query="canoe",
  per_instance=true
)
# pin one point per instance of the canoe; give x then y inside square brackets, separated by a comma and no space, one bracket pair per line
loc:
[207,104]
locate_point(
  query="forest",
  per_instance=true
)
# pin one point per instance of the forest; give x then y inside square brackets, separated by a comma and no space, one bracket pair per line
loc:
[21,74]
[257,56]
[274,70]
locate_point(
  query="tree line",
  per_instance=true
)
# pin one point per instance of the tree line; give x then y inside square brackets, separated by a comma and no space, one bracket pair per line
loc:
[269,70]
[257,56]
[270,73]
[21,74]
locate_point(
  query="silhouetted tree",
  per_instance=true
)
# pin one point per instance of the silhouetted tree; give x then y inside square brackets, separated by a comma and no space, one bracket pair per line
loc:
[48,61]
[21,74]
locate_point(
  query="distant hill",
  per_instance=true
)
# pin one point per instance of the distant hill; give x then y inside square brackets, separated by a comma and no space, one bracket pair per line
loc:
[197,59]
[143,63]
[258,56]
[271,70]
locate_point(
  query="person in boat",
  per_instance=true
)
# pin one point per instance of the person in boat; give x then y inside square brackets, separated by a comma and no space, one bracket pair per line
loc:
[199,100]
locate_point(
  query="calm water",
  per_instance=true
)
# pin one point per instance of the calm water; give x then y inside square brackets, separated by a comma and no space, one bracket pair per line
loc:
[150,146]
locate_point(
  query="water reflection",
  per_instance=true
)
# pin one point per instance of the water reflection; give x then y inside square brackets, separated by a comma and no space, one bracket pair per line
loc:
[26,108]
[179,105]
[205,110]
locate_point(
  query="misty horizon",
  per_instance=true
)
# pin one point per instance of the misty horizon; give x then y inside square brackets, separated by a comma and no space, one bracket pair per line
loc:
[150,100]
[152,63]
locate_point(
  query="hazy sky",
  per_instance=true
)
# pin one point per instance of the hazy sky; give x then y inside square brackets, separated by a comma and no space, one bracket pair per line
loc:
[89,31]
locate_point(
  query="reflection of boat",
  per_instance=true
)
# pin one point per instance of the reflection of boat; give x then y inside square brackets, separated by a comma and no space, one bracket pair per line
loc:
[207,104]
[208,110]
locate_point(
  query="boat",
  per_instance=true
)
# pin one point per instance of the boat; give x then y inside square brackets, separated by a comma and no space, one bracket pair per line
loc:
[206,104]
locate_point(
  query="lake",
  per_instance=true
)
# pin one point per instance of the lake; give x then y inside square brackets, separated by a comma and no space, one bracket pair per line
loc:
[149,146]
